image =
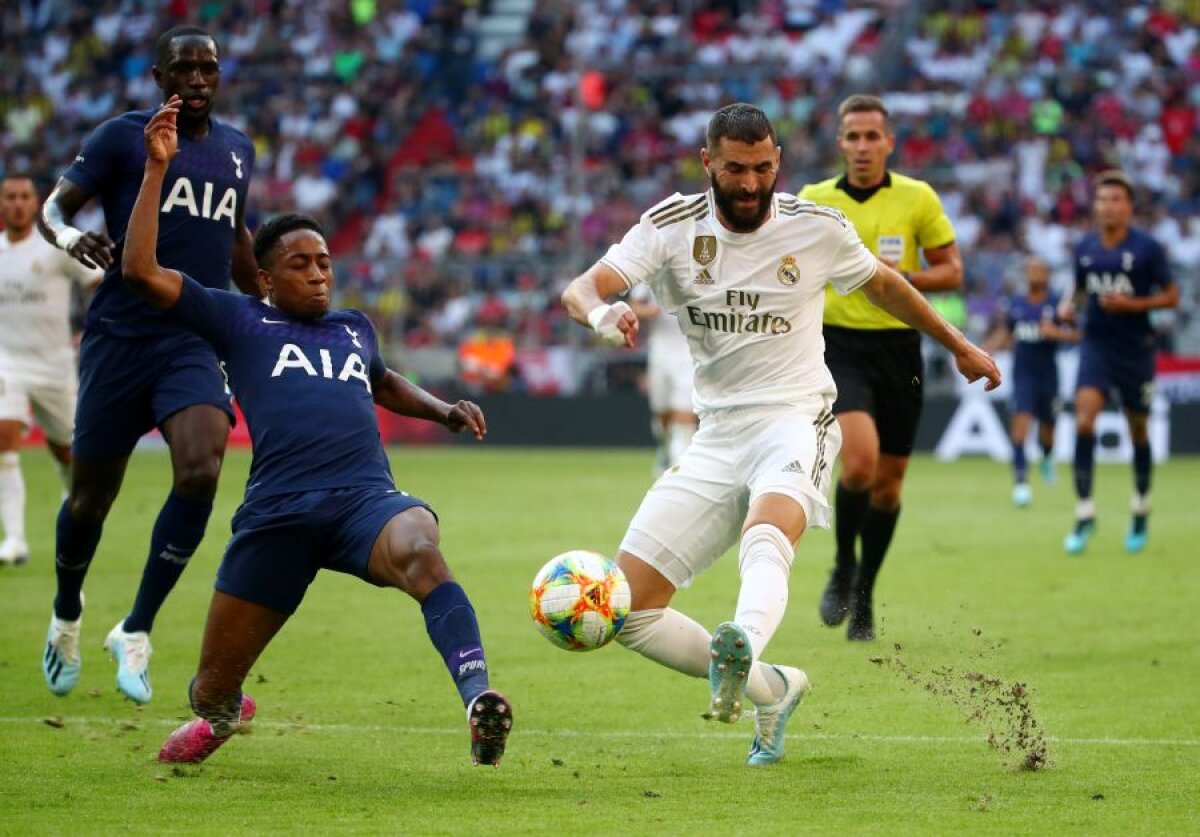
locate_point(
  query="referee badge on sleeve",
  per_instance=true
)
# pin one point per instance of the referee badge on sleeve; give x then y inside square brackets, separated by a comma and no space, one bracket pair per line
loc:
[788,272]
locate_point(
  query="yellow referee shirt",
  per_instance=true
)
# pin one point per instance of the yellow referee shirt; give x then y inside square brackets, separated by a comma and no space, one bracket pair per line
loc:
[899,219]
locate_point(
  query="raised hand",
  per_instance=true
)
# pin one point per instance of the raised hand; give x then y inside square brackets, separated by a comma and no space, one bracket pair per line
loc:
[162,140]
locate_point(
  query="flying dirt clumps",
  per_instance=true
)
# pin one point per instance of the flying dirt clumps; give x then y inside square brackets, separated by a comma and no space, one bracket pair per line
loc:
[1001,708]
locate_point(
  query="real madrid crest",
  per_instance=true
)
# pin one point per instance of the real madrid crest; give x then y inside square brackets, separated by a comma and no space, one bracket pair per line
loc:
[704,249]
[789,271]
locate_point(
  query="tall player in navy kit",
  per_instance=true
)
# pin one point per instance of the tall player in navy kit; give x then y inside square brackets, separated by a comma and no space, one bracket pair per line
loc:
[139,369]
[320,493]
[1036,333]
[1124,274]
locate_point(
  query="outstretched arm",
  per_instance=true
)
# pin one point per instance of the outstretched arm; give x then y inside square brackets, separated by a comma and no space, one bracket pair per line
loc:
[394,392]
[155,284]
[889,290]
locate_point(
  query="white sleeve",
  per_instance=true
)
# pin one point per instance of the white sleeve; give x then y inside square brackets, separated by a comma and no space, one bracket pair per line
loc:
[853,265]
[639,255]
[77,271]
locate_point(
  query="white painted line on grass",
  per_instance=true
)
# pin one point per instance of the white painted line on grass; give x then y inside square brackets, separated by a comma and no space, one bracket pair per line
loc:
[303,726]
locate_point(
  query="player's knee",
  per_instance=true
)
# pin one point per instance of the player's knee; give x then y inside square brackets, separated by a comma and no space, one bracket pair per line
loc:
[419,569]
[886,495]
[858,471]
[197,479]
[90,504]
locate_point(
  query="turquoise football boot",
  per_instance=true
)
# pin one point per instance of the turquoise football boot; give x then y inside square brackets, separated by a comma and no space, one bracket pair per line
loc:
[728,672]
[770,721]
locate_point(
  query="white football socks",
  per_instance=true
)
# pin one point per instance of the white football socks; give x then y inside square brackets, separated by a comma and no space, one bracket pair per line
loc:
[679,642]
[12,498]
[765,562]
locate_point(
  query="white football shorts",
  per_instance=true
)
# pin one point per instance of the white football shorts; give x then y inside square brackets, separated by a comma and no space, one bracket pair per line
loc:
[52,405]
[695,511]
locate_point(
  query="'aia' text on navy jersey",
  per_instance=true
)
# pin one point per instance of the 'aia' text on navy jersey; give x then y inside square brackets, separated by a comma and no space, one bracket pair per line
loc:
[1032,351]
[305,387]
[202,203]
[1135,267]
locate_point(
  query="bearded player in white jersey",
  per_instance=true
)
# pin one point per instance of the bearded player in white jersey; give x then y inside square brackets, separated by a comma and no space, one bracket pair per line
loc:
[669,377]
[744,268]
[37,361]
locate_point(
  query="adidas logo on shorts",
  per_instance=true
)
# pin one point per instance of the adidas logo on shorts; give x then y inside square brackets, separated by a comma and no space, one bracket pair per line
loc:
[793,467]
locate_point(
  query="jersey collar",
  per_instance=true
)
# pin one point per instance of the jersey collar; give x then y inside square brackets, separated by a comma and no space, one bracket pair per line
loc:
[864,195]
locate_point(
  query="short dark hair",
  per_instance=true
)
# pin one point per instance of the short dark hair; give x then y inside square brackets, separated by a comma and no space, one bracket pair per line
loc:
[162,47]
[863,103]
[20,174]
[268,235]
[1113,177]
[739,122]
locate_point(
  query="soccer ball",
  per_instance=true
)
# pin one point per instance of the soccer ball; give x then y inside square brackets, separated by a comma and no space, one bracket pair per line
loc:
[579,600]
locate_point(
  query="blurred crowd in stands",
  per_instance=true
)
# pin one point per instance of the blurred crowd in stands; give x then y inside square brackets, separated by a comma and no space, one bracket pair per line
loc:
[466,169]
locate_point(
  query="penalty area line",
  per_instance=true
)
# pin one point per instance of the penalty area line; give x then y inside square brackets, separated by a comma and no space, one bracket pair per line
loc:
[303,726]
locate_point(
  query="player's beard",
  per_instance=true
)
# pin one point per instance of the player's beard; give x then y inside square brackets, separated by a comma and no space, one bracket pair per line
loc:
[739,218]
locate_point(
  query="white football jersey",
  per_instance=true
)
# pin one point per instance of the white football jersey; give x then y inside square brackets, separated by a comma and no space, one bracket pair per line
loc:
[35,299]
[750,304]
[662,335]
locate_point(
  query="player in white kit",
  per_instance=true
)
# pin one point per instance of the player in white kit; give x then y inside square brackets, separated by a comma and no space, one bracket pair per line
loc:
[668,379]
[37,360]
[744,269]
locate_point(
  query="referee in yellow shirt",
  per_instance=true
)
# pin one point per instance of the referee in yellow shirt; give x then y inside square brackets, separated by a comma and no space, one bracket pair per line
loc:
[876,359]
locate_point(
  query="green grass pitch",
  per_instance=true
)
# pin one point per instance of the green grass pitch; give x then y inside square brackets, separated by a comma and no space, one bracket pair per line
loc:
[360,730]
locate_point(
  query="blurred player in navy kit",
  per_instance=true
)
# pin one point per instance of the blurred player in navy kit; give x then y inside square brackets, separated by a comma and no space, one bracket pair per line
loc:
[320,494]
[138,369]
[1035,332]
[1124,274]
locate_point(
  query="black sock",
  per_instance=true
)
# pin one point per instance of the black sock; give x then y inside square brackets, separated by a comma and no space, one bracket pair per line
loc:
[1020,466]
[850,510]
[878,527]
[1143,464]
[454,631]
[1085,457]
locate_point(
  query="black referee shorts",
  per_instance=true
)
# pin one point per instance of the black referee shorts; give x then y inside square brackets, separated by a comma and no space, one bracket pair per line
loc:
[881,373]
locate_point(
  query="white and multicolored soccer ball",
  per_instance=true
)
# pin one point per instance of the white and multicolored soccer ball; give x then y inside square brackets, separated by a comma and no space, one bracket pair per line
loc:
[579,600]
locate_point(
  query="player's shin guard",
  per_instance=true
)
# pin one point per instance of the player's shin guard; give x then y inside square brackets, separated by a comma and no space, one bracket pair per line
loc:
[1085,456]
[75,547]
[454,631]
[669,638]
[12,498]
[765,562]
[177,532]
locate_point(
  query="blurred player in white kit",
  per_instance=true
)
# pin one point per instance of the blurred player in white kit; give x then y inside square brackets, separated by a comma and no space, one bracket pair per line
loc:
[669,372]
[37,360]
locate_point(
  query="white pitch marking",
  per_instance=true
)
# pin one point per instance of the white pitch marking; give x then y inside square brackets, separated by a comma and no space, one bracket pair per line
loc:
[303,726]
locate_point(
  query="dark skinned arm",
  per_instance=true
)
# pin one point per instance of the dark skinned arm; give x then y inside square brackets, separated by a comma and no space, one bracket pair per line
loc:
[395,393]
[91,249]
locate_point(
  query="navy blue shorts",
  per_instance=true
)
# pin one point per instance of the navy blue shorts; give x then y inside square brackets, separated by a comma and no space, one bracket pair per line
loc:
[280,542]
[1035,392]
[127,387]
[1129,372]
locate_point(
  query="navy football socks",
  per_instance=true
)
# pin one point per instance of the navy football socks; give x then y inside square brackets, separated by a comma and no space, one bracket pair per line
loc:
[1085,454]
[75,546]
[177,532]
[454,631]
[1020,466]
[1143,463]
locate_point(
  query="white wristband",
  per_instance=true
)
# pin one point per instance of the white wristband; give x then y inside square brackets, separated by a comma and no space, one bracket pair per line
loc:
[67,237]
[604,318]
[597,314]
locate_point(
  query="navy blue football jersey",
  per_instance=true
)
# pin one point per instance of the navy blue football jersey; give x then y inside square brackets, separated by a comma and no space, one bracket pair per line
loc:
[203,197]
[305,387]
[1135,267]
[1031,351]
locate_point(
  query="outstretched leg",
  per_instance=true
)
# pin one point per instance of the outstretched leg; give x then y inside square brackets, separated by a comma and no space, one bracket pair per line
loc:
[235,635]
[406,556]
